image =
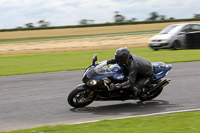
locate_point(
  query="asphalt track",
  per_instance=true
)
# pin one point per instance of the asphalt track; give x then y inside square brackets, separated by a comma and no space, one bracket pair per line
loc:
[40,99]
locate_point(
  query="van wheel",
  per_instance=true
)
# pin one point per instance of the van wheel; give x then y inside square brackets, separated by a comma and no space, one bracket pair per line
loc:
[176,45]
[155,49]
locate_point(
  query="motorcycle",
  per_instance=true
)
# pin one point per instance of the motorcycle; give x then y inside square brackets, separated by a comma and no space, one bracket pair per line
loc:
[97,80]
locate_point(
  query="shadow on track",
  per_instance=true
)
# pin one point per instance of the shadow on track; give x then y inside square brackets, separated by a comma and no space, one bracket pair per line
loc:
[137,108]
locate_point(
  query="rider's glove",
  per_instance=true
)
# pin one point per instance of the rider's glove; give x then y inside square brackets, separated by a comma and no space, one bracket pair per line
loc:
[118,86]
[115,86]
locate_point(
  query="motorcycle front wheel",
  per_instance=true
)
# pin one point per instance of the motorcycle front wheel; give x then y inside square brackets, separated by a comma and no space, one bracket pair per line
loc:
[81,97]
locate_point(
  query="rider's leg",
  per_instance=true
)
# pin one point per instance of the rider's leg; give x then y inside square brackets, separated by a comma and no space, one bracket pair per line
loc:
[139,85]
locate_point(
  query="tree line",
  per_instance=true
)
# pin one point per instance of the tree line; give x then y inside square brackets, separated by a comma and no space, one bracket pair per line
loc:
[41,23]
[118,18]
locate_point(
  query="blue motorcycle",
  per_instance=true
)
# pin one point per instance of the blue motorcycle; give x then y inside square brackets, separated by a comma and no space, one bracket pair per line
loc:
[97,80]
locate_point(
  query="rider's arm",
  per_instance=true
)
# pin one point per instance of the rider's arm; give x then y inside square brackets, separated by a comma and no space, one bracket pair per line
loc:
[111,61]
[131,80]
[106,62]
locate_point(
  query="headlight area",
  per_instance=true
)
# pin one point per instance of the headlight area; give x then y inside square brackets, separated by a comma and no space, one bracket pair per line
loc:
[158,43]
[91,83]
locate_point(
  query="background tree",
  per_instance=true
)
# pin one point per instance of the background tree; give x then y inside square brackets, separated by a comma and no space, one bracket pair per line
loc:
[171,18]
[196,15]
[83,21]
[131,20]
[19,27]
[91,21]
[134,19]
[86,21]
[162,17]
[29,25]
[118,17]
[43,23]
[153,16]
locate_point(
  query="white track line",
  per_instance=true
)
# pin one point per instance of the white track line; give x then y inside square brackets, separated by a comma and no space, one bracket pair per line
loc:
[152,114]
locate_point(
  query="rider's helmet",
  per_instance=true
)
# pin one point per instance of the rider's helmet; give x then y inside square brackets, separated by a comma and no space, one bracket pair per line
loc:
[122,56]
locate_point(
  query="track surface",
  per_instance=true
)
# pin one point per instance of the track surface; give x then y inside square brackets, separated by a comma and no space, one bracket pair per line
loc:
[40,99]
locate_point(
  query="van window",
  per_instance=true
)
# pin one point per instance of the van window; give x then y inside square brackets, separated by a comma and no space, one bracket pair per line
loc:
[187,28]
[196,27]
[171,29]
[191,28]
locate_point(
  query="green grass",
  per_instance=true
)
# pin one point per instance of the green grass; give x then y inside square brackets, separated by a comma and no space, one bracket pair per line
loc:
[52,62]
[187,122]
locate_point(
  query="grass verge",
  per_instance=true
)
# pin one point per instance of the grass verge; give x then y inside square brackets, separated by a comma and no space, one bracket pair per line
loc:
[76,37]
[187,122]
[53,62]
[44,33]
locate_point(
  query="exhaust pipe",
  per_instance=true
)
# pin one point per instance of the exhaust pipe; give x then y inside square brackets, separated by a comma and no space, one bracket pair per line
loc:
[159,86]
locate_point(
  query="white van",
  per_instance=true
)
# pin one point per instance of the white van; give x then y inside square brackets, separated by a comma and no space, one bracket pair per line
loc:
[173,36]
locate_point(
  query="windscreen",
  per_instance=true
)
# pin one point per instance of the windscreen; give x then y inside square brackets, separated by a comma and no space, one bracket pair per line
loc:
[171,29]
[95,70]
[101,70]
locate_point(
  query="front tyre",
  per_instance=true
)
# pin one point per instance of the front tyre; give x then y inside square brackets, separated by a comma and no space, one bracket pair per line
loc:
[176,45]
[155,49]
[80,97]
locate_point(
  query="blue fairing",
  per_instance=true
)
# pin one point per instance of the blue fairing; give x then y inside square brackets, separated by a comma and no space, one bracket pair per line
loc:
[160,69]
[114,71]
[119,73]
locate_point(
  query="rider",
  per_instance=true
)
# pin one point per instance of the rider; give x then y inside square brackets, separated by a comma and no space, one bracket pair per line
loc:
[140,71]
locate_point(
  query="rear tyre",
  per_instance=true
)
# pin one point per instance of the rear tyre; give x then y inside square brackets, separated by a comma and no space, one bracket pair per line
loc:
[80,97]
[147,97]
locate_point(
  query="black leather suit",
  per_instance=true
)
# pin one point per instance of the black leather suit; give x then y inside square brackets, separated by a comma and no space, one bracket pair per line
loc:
[139,70]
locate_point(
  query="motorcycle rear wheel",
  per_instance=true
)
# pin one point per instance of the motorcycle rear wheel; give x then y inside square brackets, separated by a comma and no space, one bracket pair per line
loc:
[150,97]
[80,97]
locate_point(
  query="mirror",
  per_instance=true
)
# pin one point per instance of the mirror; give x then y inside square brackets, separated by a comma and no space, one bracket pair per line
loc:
[94,59]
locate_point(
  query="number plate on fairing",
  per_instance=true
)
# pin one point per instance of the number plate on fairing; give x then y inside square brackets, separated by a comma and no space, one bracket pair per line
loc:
[164,84]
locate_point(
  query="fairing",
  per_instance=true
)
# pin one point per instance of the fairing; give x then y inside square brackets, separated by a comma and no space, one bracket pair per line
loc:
[119,74]
[114,71]
[160,69]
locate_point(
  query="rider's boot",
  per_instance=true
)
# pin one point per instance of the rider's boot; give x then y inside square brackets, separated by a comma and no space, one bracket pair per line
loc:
[136,91]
